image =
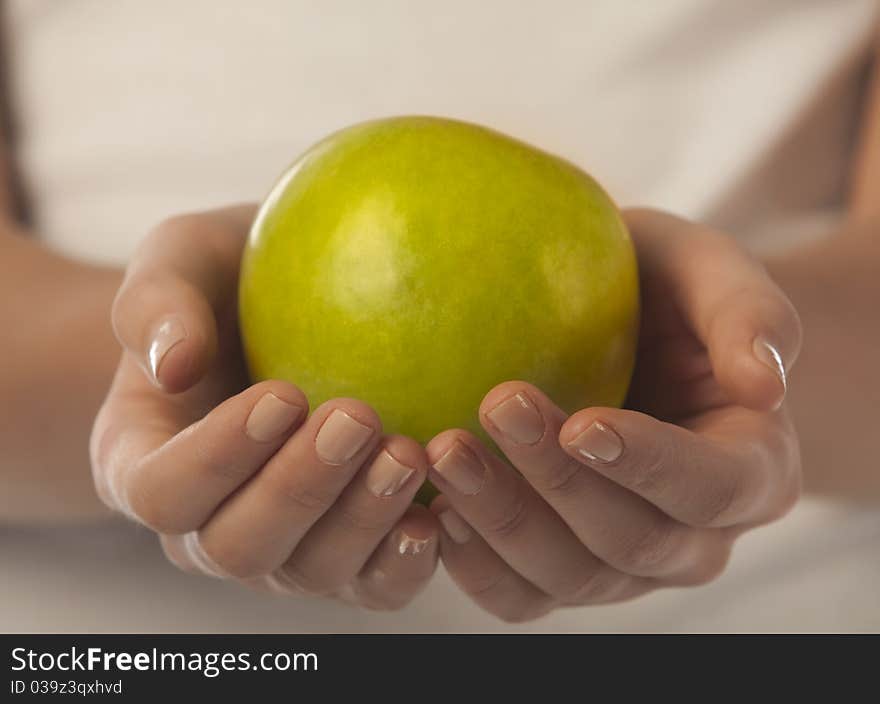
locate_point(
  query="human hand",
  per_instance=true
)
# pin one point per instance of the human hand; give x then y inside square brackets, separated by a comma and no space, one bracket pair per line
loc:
[239,481]
[608,504]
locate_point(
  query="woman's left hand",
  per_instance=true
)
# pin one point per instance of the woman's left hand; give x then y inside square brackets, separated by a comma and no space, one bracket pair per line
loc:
[608,504]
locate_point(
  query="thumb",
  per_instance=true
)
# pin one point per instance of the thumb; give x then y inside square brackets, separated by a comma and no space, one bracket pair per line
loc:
[183,274]
[749,327]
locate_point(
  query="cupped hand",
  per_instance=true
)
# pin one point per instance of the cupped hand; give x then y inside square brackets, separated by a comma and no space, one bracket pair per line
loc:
[608,504]
[240,481]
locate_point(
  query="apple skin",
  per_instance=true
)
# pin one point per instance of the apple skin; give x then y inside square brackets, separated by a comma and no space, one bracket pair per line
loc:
[416,262]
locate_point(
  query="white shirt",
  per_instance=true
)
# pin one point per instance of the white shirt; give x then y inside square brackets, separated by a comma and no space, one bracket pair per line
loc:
[739,114]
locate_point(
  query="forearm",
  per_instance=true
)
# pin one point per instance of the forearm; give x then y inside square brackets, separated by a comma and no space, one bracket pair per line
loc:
[835,387]
[58,358]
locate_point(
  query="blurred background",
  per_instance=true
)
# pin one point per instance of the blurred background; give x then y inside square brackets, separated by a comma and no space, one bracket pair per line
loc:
[743,115]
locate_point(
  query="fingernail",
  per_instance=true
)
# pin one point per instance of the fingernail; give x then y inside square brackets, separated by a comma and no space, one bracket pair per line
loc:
[386,475]
[598,443]
[769,355]
[461,468]
[519,419]
[270,417]
[412,546]
[455,526]
[169,332]
[341,437]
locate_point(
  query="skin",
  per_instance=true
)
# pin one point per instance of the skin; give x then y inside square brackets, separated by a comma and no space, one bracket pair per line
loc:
[666,531]
[709,454]
[273,513]
[267,511]
[50,305]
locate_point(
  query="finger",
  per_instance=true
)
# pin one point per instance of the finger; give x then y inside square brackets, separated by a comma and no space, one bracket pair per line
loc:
[617,525]
[256,529]
[403,563]
[186,553]
[481,574]
[749,326]
[336,548]
[181,280]
[738,467]
[173,481]
[514,520]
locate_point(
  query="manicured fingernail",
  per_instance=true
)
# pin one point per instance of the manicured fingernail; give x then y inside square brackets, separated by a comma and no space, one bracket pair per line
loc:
[169,332]
[769,355]
[270,417]
[455,526]
[598,443]
[386,475]
[519,419]
[461,468]
[412,546]
[341,437]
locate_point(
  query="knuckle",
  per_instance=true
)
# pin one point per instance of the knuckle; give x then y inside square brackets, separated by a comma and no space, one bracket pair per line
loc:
[157,515]
[648,475]
[389,592]
[152,514]
[214,457]
[509,520]
[719,504]
[302,579]
[170,547]
[647,549]
[498,593]
[297,493]
[140,496]
[103,442]
[712,570]
[711,566]
[562,477]
[715,506]
[788,498]
[484,586]
[598,587]
[230,472]
[233,560]
[360,520]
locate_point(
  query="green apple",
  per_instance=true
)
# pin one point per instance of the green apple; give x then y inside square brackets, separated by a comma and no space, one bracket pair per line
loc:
[416,262]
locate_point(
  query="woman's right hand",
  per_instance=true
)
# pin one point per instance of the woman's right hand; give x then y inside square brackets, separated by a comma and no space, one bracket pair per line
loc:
[239,481]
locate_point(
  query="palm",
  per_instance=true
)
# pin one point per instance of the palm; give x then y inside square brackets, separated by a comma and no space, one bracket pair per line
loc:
[673,378]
